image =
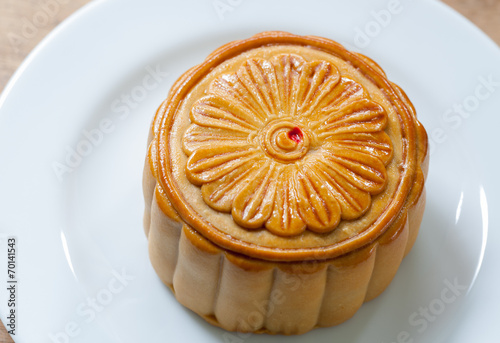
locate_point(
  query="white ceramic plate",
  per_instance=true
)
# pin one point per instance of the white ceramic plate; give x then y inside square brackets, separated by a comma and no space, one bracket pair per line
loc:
[73,127]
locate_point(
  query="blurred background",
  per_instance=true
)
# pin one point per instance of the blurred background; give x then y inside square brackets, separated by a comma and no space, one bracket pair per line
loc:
[28,19]
[32,20]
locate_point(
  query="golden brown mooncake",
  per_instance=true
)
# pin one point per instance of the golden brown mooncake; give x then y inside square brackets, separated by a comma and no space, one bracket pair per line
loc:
[284,184]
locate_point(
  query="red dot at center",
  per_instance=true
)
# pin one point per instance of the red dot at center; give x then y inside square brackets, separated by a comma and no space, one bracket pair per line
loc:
[296,135]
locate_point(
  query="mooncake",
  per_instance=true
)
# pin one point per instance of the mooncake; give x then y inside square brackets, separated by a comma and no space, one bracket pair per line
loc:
[283,183]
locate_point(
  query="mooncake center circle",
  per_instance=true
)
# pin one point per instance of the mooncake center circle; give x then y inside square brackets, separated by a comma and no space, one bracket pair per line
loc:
[285,140]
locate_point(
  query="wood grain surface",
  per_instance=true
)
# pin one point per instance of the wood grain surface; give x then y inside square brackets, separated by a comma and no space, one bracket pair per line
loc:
[23,23]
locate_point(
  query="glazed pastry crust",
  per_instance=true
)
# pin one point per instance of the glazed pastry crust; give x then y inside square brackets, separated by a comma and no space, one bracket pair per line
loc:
[251,289]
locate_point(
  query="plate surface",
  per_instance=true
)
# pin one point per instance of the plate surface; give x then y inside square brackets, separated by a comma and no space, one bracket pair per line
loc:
[73,126]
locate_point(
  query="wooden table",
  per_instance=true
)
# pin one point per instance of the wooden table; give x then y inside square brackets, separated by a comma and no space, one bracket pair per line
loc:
[23,23]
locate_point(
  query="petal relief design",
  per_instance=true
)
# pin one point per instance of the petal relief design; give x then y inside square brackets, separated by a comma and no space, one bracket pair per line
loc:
[285,219]
[360,116]
[220,194]
[376,144]
[209,164]
[363,171]
[288,68]
[317,204]
[346,91]
[353,201]
[217,112]
[197,137]
[259,79]
[317,80]
[230,87]
[254,126]
[254,204]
